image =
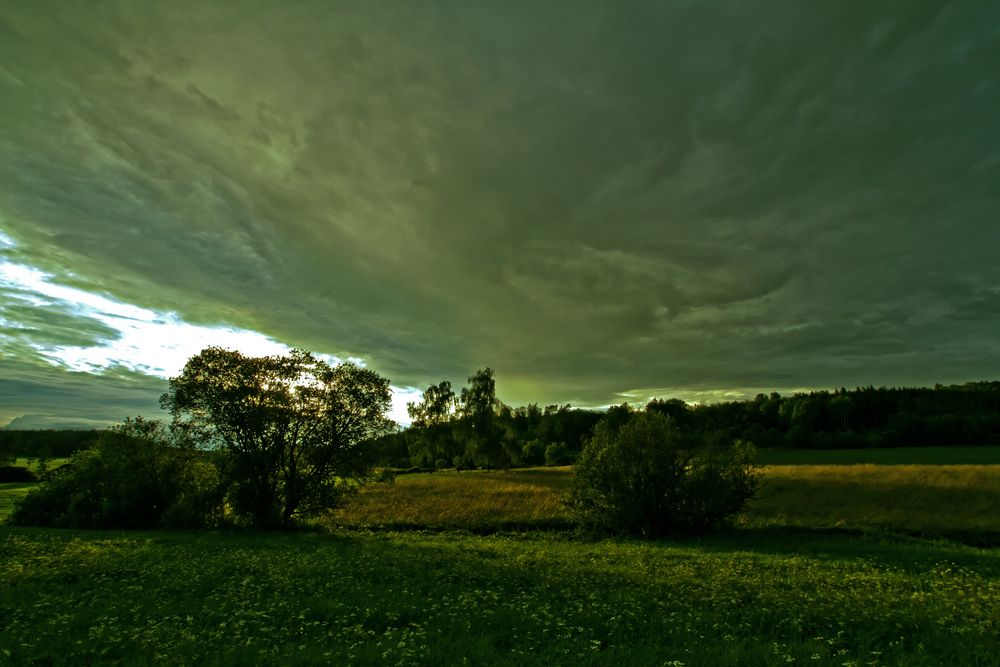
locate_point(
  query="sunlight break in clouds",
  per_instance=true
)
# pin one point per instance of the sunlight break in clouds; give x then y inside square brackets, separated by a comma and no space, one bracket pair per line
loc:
[153,343]
[150,342]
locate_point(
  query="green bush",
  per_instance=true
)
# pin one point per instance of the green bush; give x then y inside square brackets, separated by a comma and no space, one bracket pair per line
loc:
[133,477]
[642,478]
[557,454]
[533,453]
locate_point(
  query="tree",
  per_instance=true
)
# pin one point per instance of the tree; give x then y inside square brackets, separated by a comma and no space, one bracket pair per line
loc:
[840,407]
[640,477]
[432,433]
[436,406]
[479,408]
[295,428]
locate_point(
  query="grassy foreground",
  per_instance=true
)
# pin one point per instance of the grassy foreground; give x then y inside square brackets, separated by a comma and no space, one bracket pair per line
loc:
[759,598]
[822,569]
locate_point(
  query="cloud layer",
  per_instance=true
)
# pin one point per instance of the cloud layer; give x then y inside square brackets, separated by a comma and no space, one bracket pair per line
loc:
[596,199]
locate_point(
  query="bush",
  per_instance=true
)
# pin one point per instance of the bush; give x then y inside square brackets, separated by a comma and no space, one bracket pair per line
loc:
[16,474]
[533,453]
[385,476]
[440,464]
[557,454]
[134,477]
[642,478]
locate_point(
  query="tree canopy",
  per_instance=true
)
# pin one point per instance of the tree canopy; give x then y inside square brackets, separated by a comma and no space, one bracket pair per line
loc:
[295,426]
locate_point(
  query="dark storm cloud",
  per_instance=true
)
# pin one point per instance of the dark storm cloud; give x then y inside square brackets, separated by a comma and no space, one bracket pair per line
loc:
[43,396]
[593,198]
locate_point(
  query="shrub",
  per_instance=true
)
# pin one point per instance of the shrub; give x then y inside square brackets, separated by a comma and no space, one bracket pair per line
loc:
[440,464]
[134,477]
[641,478]
[533,453]
[557,454]
[385,476]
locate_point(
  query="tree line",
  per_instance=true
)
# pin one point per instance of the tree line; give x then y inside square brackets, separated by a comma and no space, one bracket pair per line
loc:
[44,444]
[945,415]
[265,441]
[473,428]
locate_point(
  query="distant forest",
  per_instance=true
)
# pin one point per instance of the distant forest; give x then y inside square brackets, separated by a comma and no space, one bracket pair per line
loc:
[474,429]
[446,432]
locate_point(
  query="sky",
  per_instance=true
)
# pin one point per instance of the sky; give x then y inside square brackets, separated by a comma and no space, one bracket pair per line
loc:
[603,201]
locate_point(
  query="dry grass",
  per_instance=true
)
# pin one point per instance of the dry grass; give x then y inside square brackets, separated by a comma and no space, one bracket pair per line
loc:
[529,498]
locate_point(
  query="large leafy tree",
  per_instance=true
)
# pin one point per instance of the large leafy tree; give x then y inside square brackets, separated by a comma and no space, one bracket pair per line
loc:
[433,439]
[435,408]
[296,428]
[479,410]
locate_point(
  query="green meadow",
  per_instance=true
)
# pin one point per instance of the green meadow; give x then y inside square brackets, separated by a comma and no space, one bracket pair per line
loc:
[9,493]
[832,564]
[987,455]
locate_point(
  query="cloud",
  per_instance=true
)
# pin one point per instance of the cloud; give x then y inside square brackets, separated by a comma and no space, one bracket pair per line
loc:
[35,395]
[593,198]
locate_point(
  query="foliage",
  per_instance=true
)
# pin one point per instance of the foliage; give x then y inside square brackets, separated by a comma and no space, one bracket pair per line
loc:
[437,405]
[642,478]
[557,454]
[296,430]
[533,453]
[413,598]
[477,429]
[478,422]
[955,415]
[137,475]
[866,417]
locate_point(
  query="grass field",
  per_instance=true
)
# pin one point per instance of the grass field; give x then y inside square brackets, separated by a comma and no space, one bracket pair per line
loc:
[8,494]
[987,455]
[470,500]
[961,501]
[949,500]
[11,492]
[32,464]
[825,568]
[414,598]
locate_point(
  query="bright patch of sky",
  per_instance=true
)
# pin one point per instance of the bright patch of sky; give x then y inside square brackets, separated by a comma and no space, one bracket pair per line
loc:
[150,342]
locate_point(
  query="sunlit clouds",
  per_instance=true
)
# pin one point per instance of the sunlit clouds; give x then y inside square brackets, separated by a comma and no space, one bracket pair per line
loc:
[135,338]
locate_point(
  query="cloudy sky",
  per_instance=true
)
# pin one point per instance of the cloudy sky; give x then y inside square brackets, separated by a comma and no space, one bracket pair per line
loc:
[604,201]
